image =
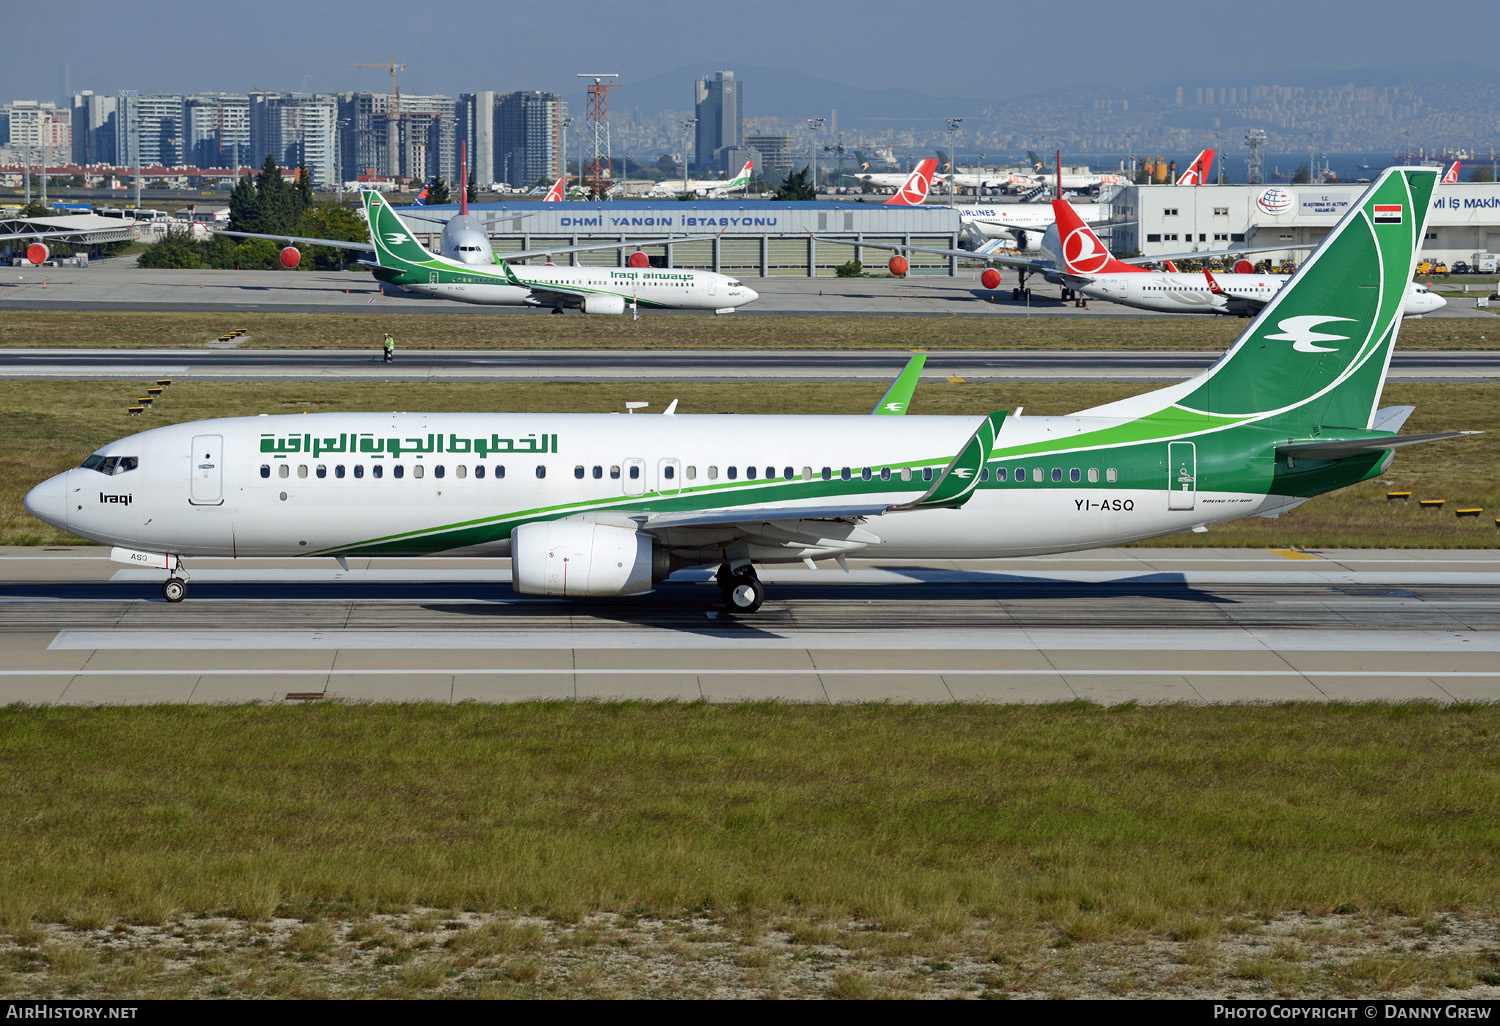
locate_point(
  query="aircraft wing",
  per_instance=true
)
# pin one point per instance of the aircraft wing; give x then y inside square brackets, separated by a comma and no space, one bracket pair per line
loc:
[527,254]
[951,489]
[963,254]
[362,247]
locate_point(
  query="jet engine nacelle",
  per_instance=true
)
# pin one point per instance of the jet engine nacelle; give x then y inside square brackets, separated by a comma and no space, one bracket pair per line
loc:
[290,257]
[1028,242]
[37,253]
[559,557]
[603,304]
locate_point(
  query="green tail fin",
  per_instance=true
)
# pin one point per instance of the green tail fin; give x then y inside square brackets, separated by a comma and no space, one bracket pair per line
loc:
[394,244]
[1317,354]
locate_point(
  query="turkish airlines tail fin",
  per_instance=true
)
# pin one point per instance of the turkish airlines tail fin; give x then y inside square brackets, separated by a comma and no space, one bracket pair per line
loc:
[555,194]
[1451,178]
[1197,172]
[913,192]
[1082,252]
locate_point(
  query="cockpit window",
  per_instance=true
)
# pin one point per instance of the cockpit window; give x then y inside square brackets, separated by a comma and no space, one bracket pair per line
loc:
[111,466]
[736,284]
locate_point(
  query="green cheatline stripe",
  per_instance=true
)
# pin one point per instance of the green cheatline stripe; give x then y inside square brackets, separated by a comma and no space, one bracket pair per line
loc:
[690,498]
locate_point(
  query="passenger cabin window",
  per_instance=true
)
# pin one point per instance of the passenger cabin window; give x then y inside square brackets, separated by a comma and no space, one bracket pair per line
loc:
[265,470]
[398,471]
[338,471]
[1075,475]
[1000,473]
[926,473]
[439,470]
[418,470]
[1111,475]
[302,470]
[541,471]
[578,472]
[1093,475]
[478,471]
[499,471]
[359,470]
[322,470]
[1020,473]
[377,471]
[731,472]
[283,471]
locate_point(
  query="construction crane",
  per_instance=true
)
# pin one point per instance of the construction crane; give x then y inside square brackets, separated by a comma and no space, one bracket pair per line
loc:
[393,114]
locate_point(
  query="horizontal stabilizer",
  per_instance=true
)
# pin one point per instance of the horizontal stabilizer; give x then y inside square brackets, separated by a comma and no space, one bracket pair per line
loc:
[1340,449]
[1392,418]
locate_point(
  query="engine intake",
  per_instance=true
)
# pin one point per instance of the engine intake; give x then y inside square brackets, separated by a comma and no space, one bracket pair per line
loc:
[559,557]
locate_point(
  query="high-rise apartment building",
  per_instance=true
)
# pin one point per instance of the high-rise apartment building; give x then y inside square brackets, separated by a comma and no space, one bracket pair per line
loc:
[93,128]
[295,129]
[476,126]
[719,126]
[528,137]
[149,129]
[218,130]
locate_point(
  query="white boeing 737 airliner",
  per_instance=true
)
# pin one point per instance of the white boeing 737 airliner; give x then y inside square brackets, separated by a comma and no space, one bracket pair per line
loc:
[603,505]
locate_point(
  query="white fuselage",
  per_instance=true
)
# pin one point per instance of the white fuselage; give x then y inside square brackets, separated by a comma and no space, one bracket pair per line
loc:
[415,484]
[1000,219]
[1164,292]
[667,288]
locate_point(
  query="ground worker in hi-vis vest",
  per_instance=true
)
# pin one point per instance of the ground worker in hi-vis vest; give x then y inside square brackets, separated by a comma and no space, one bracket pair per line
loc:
[390,348]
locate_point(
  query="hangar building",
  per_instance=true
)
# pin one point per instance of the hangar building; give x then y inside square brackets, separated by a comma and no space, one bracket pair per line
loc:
[746,238]
[1464,221]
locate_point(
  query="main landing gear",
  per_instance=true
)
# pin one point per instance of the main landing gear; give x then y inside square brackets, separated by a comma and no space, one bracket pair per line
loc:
[742,590]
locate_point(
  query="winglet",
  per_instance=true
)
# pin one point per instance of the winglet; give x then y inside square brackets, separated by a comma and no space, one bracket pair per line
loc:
[959,478]
[898,397]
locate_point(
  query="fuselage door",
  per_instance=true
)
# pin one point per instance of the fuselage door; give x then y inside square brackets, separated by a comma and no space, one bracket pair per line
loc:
[1182,475]
[633,480]
[207,471]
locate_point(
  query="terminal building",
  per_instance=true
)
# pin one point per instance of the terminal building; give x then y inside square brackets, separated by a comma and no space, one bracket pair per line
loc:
[749,238]
[1464,221]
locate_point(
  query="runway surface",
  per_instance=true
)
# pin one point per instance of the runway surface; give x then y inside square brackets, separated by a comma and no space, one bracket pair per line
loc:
[1112,625]
[108,285]
[672,365]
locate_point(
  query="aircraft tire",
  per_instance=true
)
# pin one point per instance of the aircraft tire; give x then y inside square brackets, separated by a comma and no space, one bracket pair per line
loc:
[743,593]
[174,590]
[1015,295]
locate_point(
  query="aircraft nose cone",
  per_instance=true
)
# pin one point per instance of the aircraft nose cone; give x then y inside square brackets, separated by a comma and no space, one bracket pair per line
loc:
[48,502]
[751,295]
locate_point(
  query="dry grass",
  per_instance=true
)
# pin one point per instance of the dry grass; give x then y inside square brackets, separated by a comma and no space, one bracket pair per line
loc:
[51,426]
[1103,822]
[87,329]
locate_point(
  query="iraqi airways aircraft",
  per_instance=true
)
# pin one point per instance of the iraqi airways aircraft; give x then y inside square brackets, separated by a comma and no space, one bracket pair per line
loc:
[711,188]
[468,270]
[608,505]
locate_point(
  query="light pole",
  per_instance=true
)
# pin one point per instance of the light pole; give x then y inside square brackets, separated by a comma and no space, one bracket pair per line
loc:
[688,124]
[565,123]
[813,124]
[953,124]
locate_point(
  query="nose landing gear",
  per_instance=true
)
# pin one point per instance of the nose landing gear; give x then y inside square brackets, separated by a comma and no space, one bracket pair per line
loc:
[175,588]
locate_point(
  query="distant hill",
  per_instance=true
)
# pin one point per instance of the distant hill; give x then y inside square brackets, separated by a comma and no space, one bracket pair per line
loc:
[782,92]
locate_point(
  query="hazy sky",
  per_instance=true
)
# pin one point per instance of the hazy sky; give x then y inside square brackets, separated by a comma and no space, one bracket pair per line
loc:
[959,48]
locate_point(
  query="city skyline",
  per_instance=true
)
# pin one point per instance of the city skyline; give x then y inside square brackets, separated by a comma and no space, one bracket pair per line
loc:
[174,47]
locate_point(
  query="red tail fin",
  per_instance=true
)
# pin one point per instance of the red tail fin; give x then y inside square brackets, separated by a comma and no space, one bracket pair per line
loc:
[463,179]
[1213,283]
[1197,172]
[555,194]
[1451,178]
[1082,252]
[913,192]
[1172,268]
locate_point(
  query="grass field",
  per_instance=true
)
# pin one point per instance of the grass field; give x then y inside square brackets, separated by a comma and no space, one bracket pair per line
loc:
[460,847]
[26,328]
[50,426]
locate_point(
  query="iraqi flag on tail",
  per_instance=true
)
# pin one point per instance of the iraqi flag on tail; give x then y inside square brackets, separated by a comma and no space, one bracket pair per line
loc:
[1387,213]
[913,192]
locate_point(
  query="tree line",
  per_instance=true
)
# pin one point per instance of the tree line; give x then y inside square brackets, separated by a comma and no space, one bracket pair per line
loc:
[266,204]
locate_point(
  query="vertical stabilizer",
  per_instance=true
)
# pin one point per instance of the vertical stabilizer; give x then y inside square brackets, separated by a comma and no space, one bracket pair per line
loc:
[913,192]
[394,244]
[1081,250]
[1316,355]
